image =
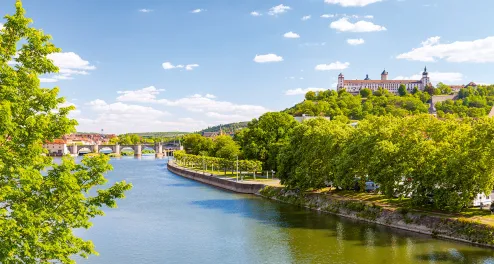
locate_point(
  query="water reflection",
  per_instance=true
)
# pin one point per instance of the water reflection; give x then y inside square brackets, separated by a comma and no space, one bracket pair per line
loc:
[169,219]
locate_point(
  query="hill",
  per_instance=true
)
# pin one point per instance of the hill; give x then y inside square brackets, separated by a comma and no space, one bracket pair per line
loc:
[226,127]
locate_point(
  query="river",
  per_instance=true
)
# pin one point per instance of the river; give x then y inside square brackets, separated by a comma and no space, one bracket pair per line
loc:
[168,219]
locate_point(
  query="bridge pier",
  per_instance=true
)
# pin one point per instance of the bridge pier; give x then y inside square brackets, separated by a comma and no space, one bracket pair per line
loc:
[117,149]
[74,150]
[137,151]
[159,150]
[95,148]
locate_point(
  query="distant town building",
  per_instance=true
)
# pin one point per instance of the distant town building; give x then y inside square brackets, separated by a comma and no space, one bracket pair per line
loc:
[56,148]
[354,86]
[210,134]
[456,88]
[302,118]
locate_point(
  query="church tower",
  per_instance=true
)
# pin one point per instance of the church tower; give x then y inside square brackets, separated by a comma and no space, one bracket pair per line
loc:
[425,79]
[341,81]
[384,75]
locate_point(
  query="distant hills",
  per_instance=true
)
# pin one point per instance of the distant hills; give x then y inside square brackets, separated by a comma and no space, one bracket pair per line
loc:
[232,127]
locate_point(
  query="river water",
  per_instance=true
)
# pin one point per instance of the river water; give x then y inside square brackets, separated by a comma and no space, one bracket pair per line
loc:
[169,219]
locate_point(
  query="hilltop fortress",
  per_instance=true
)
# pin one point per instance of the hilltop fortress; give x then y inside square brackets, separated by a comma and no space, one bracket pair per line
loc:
[354,86]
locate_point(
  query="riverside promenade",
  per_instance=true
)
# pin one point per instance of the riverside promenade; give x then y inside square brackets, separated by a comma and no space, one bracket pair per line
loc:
[227,183]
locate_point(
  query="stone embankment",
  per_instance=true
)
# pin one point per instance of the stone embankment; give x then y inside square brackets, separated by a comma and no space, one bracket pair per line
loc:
[220,182]
[437,226]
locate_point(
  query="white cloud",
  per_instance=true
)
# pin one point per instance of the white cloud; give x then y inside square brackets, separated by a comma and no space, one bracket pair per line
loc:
[344,25]
[70,60]
[355,42]
[147,94]
[327,16]
[332,66]
[195,11]
[69,64]
[346,3]
[194,103]
[145,10]
[300,91]
[476,51]
[189,67]
[119,108]
[305,18]
[445,77]
[291,35]
[279,9]
[48,80]
[1,26]
[369,16]
[268,58]
[168,66]
[255,13]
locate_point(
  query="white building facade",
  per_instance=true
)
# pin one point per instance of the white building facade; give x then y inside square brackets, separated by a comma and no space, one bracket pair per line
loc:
[56,148]
[354,86]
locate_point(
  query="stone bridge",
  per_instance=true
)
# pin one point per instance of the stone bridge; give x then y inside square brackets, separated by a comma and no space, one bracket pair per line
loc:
[160,149]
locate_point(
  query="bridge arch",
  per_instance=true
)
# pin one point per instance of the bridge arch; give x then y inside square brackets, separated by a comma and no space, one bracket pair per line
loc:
[83,150]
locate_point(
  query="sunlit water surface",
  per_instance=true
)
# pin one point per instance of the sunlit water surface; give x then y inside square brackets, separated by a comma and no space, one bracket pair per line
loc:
[168,219]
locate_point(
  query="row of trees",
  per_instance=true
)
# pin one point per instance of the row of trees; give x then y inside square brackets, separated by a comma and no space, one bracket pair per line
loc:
[221,164]
[443,162]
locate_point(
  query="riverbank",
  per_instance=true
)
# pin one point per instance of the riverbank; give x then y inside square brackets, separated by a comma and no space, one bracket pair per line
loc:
[437,226]
[226,183]
[459,229]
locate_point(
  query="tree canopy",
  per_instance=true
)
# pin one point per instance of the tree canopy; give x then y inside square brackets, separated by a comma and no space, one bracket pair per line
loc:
[264,137]
[41,202]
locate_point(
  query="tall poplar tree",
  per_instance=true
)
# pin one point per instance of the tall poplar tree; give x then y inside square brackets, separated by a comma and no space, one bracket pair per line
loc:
[41,203]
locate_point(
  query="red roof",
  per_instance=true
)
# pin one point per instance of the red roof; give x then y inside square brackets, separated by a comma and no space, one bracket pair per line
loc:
[56,141]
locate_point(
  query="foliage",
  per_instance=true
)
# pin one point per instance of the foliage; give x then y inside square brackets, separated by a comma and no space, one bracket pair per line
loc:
[219,163]
[381,102]
[365,92]
[442,162]
[195,144]
[129,139]
[471,102]
[443,88]
[402,90]
[232,127]
[264,137]
[41,203]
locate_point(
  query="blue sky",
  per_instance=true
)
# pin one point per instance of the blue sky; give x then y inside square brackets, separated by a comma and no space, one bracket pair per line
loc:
[168,65]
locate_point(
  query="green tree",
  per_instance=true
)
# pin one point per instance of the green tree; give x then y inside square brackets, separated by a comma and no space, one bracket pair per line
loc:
[366,92]
[445,89]
[39,211]
[225,147]
[195,144]
[402,90]
[263,138]
[310,95]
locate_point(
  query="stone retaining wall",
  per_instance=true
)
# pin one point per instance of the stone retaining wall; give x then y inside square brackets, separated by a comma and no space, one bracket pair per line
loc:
[440,227]
[239,187]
